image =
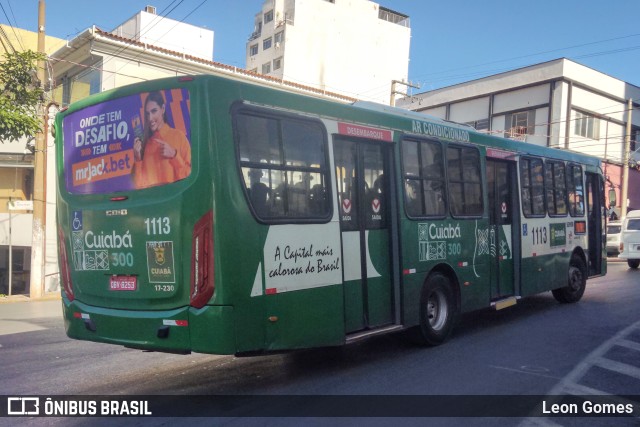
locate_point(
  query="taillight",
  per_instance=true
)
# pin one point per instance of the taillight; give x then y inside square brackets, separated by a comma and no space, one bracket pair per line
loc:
[621,247]
[65,275]
[202,261]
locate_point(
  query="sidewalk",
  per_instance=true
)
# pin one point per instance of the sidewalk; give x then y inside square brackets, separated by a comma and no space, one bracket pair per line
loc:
[20,313]
[25,298]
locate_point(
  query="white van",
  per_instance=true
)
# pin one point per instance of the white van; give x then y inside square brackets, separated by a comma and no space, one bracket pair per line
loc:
[614,232]
[630,239]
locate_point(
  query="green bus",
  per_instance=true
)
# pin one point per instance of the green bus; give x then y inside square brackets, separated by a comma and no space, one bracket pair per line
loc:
[210,214]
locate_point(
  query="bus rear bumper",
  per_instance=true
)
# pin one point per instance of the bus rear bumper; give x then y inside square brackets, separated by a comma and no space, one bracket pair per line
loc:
[173,331]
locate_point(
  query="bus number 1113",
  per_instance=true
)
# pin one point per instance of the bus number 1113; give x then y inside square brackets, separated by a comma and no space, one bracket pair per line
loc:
[539,235]
[160,225]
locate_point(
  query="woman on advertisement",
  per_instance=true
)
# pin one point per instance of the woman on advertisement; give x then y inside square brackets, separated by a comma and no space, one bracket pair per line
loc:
[162,154]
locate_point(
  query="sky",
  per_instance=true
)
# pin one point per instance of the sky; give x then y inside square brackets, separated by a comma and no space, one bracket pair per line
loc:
[452,41]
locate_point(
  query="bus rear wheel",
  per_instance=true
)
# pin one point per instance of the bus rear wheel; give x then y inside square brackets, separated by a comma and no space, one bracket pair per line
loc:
[633,263]
[577,282]
[437,311]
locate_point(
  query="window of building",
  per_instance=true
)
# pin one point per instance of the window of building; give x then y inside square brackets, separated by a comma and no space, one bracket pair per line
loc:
[278,37]
[266,43]
[464,181]
[575,191]
[79,86]
[27,186]
[423,168]
[266,68]
[284,167]
[532,187]
[519,125]
[277,63]
[586,125]
[482,124]
[253,49]
[555,188]
[268,17]
[66,90]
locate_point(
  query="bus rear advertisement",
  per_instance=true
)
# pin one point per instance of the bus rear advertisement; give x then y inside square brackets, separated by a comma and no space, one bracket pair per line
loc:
[206,214]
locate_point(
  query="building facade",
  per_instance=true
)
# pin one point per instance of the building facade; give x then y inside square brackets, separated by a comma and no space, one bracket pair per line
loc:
[16,184]
[140,49]
[148,27]
[559,103]
[352,47]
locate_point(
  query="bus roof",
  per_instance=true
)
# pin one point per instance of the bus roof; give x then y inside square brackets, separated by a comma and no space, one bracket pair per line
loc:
[380,115]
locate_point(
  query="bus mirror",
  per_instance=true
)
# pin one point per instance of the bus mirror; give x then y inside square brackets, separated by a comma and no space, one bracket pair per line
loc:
[612,197]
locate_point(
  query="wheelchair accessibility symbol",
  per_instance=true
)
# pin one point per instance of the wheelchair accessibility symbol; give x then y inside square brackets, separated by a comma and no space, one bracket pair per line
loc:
[76,224]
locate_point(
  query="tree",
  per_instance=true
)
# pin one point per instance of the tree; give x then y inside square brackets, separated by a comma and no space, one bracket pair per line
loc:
[20,95]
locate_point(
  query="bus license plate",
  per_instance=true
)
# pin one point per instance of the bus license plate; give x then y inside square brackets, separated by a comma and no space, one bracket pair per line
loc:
[123,283]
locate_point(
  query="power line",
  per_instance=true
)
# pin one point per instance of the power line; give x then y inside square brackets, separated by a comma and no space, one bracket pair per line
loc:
[535,54]
[13,29]
[168,31]
[18,38]
[141,33]
[471,74]
[4,38]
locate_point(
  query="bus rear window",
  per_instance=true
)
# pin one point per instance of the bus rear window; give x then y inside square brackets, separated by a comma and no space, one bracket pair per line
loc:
[129,143]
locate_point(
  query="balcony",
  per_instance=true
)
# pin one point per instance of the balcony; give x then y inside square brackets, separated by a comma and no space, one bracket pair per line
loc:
[394,17]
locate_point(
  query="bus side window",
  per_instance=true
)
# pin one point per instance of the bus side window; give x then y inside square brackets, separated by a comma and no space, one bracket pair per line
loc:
[532,187]
[283,163]
[317,199]
[423,166]
[259,193]
[464,182]
[575,190]
[555,188]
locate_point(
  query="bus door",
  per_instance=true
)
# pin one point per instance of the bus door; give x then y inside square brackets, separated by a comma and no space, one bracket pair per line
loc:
[364,205]
[504,226]
[595,223]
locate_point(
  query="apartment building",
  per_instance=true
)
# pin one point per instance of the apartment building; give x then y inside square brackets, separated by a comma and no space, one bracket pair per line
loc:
[559,103]
[352,47]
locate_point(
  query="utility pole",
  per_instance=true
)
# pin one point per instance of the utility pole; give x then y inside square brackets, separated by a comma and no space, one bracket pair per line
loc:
[36,288]
[625,165]
[394,92]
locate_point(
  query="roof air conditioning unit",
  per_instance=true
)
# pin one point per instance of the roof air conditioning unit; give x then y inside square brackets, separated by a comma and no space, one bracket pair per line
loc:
[150,9]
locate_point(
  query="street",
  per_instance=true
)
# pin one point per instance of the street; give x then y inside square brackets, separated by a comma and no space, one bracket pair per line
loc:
[538,347]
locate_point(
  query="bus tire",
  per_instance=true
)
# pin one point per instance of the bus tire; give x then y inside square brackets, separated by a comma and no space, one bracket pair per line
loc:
[437,310]
[633,263]
[577,282]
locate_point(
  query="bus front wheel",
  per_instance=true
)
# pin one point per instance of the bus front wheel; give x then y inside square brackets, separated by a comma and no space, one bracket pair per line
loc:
[437,310]
[577,282]
[633,263]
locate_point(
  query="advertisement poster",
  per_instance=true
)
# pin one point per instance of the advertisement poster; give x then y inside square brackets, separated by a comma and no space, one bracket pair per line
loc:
[128,143]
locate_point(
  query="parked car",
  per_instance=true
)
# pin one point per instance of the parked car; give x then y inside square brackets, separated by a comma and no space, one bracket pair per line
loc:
[630,239]
[614,232]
